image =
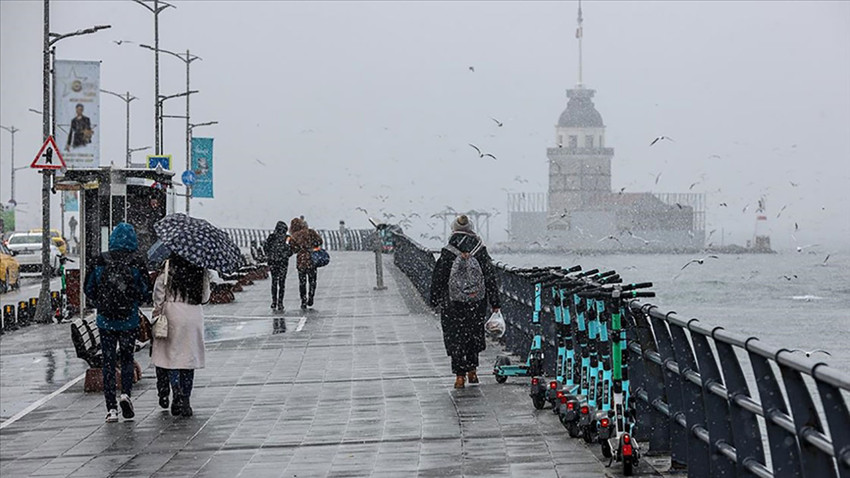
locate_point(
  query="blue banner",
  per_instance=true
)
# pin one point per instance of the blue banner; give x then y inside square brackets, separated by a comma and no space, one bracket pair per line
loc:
[202,165]
[72,204]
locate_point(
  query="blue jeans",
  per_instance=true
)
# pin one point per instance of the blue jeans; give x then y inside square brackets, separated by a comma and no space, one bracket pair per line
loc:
[117,345]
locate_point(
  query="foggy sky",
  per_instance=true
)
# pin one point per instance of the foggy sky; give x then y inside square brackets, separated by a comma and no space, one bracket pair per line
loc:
[344,102]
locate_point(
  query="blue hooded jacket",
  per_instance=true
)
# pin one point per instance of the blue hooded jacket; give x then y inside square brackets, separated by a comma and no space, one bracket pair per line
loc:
[122,241]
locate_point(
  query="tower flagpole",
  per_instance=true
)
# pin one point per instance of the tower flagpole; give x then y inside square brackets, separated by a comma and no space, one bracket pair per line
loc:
[579,35]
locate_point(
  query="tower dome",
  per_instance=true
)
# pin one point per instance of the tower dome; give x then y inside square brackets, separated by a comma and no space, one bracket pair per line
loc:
[580,111]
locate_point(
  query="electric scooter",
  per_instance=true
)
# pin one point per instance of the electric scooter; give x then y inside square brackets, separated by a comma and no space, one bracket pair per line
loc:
[62,309]
[533,366]
[614,424]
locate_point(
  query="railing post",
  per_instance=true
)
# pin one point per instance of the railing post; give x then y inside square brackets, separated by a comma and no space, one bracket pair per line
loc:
[678,436]
[716,408]
[652,382]
[379,262]
[694,408]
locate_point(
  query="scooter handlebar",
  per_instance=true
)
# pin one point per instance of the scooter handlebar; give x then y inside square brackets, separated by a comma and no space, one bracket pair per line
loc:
[640,285]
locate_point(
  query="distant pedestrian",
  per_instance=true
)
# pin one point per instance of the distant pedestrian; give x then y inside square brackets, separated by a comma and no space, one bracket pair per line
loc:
[462,285]
[304,241]
[180,292]
[116,286]
[278,252]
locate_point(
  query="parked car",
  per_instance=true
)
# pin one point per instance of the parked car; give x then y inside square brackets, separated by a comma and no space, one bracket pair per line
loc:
[57,239]
[10,270]
[27,246]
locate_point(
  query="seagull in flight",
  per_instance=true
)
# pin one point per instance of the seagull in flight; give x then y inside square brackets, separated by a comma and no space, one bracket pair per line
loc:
[480,154]
[611,237]
[119,42]
[788,278]
[802,248]
[825,259]
[692,186]
[723,204]
[700,261]
[358,208]
[259,162]
[498,123]
[780,211]
[661,138]
[657,177]
[810,352]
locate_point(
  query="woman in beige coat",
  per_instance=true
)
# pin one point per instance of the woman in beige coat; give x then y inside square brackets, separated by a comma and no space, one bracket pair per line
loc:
[179,293]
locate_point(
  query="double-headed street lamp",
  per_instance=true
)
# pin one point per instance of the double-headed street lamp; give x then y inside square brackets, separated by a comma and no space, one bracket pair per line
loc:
[12,130]
[162,99]
[42,311]
[158,6]
[127,98]
[186,58]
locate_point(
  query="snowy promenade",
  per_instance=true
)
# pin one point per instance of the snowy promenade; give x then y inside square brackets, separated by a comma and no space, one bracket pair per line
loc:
[359,386]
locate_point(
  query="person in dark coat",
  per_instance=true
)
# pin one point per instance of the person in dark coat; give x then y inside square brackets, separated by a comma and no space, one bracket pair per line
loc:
[80,132]
[304,241]
[278,252]
[118,334]
[463,322]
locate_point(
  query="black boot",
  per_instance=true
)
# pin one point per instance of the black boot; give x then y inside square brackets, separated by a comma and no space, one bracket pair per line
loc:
[186,411]
[177,406]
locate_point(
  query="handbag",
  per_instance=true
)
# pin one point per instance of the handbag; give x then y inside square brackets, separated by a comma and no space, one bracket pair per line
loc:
[320,257]
[160,320]
[144,328]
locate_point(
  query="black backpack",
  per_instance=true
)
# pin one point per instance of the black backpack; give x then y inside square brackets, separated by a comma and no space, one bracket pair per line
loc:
[117,292]
[277,248]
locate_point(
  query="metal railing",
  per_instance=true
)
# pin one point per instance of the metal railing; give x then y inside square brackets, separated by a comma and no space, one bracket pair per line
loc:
[719,403]
[334,240]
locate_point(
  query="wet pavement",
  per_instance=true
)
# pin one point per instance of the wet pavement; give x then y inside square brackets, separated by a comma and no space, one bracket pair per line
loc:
[358,386]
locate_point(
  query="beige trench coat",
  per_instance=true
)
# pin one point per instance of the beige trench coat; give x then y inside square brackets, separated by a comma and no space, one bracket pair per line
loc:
[184,347]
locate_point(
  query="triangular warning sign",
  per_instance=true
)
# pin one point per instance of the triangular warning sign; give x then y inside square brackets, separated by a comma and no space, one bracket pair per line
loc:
[48,156]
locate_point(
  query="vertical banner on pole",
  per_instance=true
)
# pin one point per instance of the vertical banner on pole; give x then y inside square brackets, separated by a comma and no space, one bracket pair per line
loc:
[202,165]
[72,204]
[77,94]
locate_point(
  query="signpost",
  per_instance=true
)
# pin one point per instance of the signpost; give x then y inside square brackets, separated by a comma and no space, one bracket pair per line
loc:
[163,160]
[188,178]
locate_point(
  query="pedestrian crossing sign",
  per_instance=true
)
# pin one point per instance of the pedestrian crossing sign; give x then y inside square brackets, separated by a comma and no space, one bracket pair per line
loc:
[48,156]
[163,160]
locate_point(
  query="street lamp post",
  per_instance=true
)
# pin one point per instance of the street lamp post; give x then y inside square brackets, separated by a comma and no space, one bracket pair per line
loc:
[13,130]
[162,100]
[158,6]
[42,311]
[186,58]
[127,98]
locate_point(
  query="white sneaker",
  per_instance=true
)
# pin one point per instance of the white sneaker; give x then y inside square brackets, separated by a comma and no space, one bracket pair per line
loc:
[126,407]
[112,416]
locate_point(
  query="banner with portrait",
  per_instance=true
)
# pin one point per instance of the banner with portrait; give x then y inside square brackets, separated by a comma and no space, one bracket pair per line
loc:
[202,165]
[76,92]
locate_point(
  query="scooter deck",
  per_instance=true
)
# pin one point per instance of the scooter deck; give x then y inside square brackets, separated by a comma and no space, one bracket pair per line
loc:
[512,370]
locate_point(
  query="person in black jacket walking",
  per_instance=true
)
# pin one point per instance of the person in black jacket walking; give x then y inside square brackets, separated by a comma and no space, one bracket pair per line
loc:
[462,291]
[278,252]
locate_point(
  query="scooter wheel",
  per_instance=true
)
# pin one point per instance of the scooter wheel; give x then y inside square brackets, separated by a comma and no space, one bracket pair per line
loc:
[573,430]
[628,467]
[501,378]
[606,449]
[587,436]
[539,402]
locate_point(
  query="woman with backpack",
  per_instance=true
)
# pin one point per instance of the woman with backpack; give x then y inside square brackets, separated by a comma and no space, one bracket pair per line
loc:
[462,286]
[278,253]
[116,286]
[304,241]
[179,293]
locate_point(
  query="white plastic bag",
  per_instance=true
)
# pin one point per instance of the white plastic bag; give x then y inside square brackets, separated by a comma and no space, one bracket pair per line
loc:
[495,325]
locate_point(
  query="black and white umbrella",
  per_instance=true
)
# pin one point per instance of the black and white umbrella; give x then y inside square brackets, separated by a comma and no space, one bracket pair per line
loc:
[199,242]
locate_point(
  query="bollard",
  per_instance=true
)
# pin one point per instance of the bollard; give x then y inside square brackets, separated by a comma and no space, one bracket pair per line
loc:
[8,318]
[23,314]
[33,307]
[379,268]
[54,299]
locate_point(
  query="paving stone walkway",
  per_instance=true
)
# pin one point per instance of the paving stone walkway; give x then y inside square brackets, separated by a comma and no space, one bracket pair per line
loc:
[358,386]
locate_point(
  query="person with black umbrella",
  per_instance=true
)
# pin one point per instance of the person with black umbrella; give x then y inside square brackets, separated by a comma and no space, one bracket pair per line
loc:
[179,294]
